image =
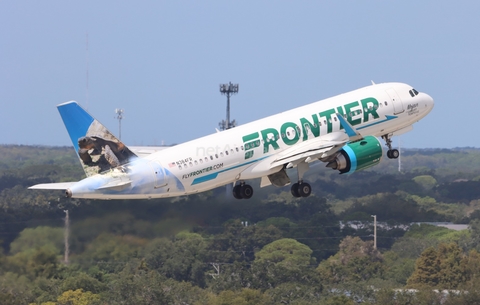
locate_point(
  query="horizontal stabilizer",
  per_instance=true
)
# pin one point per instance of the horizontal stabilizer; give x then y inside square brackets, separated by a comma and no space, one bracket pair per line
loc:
[52,186]
[143,151]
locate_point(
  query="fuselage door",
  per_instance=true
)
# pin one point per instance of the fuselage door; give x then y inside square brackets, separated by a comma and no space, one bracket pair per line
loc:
[396,101]
[159,175]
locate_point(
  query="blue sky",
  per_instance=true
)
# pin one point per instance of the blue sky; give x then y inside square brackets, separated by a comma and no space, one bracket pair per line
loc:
[163,61]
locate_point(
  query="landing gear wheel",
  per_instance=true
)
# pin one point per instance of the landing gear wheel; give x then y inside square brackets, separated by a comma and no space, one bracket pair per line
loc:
[246,191]
[393,153]
[237,192]
[304,189]
[295,190]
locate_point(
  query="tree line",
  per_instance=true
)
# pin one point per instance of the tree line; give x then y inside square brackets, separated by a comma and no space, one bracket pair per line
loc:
[208,249]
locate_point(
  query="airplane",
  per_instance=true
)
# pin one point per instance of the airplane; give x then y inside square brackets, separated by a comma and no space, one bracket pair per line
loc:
[341,131]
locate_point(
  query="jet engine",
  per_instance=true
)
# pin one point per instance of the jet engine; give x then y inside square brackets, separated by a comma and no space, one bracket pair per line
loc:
[358,155]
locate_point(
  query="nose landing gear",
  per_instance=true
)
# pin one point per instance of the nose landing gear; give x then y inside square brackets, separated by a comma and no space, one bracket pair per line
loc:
[391,153]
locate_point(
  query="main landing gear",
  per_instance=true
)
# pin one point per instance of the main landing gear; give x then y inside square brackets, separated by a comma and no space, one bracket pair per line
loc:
[242,191]
[301,189]
[391,153]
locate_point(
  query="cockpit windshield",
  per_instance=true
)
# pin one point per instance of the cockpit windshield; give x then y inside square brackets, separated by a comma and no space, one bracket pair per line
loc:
[413,92]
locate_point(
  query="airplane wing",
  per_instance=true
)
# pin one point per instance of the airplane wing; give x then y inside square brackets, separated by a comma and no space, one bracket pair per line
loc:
[318,148]
[309,151]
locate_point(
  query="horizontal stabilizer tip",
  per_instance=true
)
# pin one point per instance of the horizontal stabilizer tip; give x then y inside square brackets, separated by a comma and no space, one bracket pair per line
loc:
[52,186]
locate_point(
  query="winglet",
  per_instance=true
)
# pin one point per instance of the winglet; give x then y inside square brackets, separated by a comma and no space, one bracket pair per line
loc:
[351,132]
[98,149]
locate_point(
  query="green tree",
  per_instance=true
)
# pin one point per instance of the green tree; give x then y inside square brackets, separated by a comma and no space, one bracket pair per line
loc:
[15,289]
[339,300]
[285,252]
[83,281]
[442,268]
[356,260]
[108,248]
[42,236]
[245,296]
[397,268]
[38,262]
[182,259]
[133,285]
[295,293]
[426,181]
[238,242]
[78,297]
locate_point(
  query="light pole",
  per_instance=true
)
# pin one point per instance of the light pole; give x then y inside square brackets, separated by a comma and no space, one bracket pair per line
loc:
[228,90]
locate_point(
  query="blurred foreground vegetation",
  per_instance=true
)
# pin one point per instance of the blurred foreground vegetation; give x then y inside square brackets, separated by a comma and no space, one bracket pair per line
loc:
[271,249]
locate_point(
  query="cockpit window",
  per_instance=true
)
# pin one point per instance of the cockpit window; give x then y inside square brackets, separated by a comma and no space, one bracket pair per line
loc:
[413,92]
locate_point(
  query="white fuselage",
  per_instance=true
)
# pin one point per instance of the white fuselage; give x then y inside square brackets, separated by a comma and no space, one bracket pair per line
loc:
[232,155]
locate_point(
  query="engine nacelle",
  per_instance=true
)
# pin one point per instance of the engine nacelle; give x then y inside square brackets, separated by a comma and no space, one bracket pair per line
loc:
[358,155]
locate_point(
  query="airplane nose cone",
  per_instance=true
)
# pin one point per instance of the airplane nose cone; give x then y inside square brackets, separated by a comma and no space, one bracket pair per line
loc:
[428,102]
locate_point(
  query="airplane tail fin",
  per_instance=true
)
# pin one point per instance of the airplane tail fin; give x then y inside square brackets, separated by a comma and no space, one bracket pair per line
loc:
[97,148]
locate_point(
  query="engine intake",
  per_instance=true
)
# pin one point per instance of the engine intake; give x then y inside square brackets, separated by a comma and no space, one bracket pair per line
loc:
[357,156]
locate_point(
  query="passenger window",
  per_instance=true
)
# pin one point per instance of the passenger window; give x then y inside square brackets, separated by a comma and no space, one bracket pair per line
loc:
[211,157]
